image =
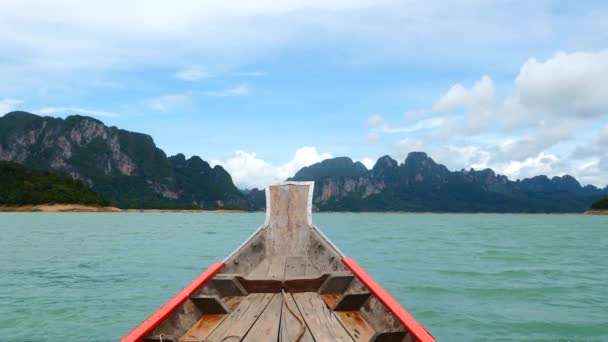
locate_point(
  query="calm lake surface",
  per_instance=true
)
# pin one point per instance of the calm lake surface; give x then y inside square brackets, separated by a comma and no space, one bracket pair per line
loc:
[94,277]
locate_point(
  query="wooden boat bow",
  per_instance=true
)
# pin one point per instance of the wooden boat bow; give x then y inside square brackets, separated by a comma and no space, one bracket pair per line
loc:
[287,282]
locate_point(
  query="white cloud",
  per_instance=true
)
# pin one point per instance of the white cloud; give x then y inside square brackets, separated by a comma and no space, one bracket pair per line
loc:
[368,162]
[571,84]
[542,164]
[191,74]
[8,105]
[425,124]
[404,146]
[238,90]
[568,86]
[478,103]
[74,110]
[249,171]
[375,120]
[71,34]
[536,128]
[480,96]
[165,103]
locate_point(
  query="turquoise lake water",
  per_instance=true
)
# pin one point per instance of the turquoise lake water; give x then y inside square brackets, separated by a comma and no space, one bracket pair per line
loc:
[93,277]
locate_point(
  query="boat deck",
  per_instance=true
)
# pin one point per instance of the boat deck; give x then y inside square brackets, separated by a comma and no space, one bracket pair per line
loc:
[280,317]
[281,299]
[287,282]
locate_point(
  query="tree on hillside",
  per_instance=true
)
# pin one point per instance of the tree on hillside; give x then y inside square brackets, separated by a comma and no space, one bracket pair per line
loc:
[601,204]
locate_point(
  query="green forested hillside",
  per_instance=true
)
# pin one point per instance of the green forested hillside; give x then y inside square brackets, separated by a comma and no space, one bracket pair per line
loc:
[19,186]
[125,167]
[601,204]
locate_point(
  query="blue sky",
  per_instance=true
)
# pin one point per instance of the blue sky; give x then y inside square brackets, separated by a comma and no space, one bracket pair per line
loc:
[265,88]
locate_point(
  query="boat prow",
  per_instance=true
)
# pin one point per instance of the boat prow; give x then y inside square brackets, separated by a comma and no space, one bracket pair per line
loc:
[287,282]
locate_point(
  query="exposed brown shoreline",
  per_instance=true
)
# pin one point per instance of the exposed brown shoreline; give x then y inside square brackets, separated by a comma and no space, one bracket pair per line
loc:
[597,212]
[78,208]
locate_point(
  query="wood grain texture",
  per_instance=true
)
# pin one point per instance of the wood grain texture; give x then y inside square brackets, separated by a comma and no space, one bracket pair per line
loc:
[356,326]
[210,304]
[323,324]
[242,318]
[288,228]
[201,329]
[277,267]
[261,269]
[249,256]
[291,327]
[295,266]
[380,318]
[266,327]
[336,283]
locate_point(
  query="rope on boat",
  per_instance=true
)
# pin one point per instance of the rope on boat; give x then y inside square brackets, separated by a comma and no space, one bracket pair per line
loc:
[297,317]
[302,326]
[207,340]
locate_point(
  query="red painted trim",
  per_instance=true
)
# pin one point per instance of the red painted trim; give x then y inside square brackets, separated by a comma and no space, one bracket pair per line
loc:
[415,328]
[161,314]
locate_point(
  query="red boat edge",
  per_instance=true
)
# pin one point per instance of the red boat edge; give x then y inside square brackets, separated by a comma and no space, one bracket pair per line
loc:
[415,328]
[288,225]
[161,314]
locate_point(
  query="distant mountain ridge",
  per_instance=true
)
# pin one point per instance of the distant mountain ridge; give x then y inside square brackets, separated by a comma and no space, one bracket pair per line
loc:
[420,184]
[127,168]
[124,166]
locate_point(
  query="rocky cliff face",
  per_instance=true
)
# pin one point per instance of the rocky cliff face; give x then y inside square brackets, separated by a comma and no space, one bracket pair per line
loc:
[125,166]
[420,184]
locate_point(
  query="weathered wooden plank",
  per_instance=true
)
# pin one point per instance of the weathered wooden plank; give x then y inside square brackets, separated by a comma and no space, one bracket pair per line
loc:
[210,304]
[311,269]
[288,225]
[266,328]
[249,256]
[393,336]
[357,327]
[227,285]
[304,284]
[261,269]
[201,329]
[295,266]
[179,321]
[239,321]
[379,317]
[262,285]
[323,324]
[277,268]
[336,283]
[353,298]
[351,302]
[292,327]
[158,338]
[330,299]
[232,302]
[322,255]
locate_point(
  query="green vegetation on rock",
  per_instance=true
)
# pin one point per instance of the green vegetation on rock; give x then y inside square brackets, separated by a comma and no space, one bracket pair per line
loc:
[126,167]
[19,186]
[421,184]
[601,204]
